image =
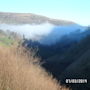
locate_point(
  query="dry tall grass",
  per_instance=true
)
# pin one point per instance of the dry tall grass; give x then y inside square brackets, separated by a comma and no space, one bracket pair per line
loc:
[17,72]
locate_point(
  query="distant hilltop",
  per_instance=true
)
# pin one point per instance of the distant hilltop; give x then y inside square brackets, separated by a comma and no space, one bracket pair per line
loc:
[29,18]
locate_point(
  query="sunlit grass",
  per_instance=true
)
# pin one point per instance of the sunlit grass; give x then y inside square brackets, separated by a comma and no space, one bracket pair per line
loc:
[19,72]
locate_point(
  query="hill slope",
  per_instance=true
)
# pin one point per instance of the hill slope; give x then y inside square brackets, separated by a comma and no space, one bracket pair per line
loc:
[19,72]
[8,38]
[74,63]
[29,18]
[80,64]
[5,39]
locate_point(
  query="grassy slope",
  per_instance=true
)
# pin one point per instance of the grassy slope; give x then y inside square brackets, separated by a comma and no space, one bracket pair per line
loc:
[6,41]
[17,72]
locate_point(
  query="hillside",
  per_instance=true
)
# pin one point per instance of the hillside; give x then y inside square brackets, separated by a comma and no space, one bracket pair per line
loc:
[74,63]
[5,39]
[8,38]
[29,18]
[18,71]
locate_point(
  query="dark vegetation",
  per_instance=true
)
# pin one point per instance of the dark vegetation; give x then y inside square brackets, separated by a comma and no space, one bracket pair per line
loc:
[68,58]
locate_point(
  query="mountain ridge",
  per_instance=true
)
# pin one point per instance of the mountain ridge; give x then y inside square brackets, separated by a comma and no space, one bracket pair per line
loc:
[29,18]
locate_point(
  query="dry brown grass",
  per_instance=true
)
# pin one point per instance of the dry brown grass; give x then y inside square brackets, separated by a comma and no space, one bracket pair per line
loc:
[17,72]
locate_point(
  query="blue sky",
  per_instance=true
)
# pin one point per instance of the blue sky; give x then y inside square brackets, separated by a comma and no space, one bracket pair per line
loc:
[74,10]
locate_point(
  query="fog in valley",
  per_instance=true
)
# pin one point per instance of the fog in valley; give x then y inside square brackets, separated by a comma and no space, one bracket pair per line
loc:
[44,33]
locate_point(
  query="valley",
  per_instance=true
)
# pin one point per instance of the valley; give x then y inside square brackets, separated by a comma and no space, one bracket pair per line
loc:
[62,46]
